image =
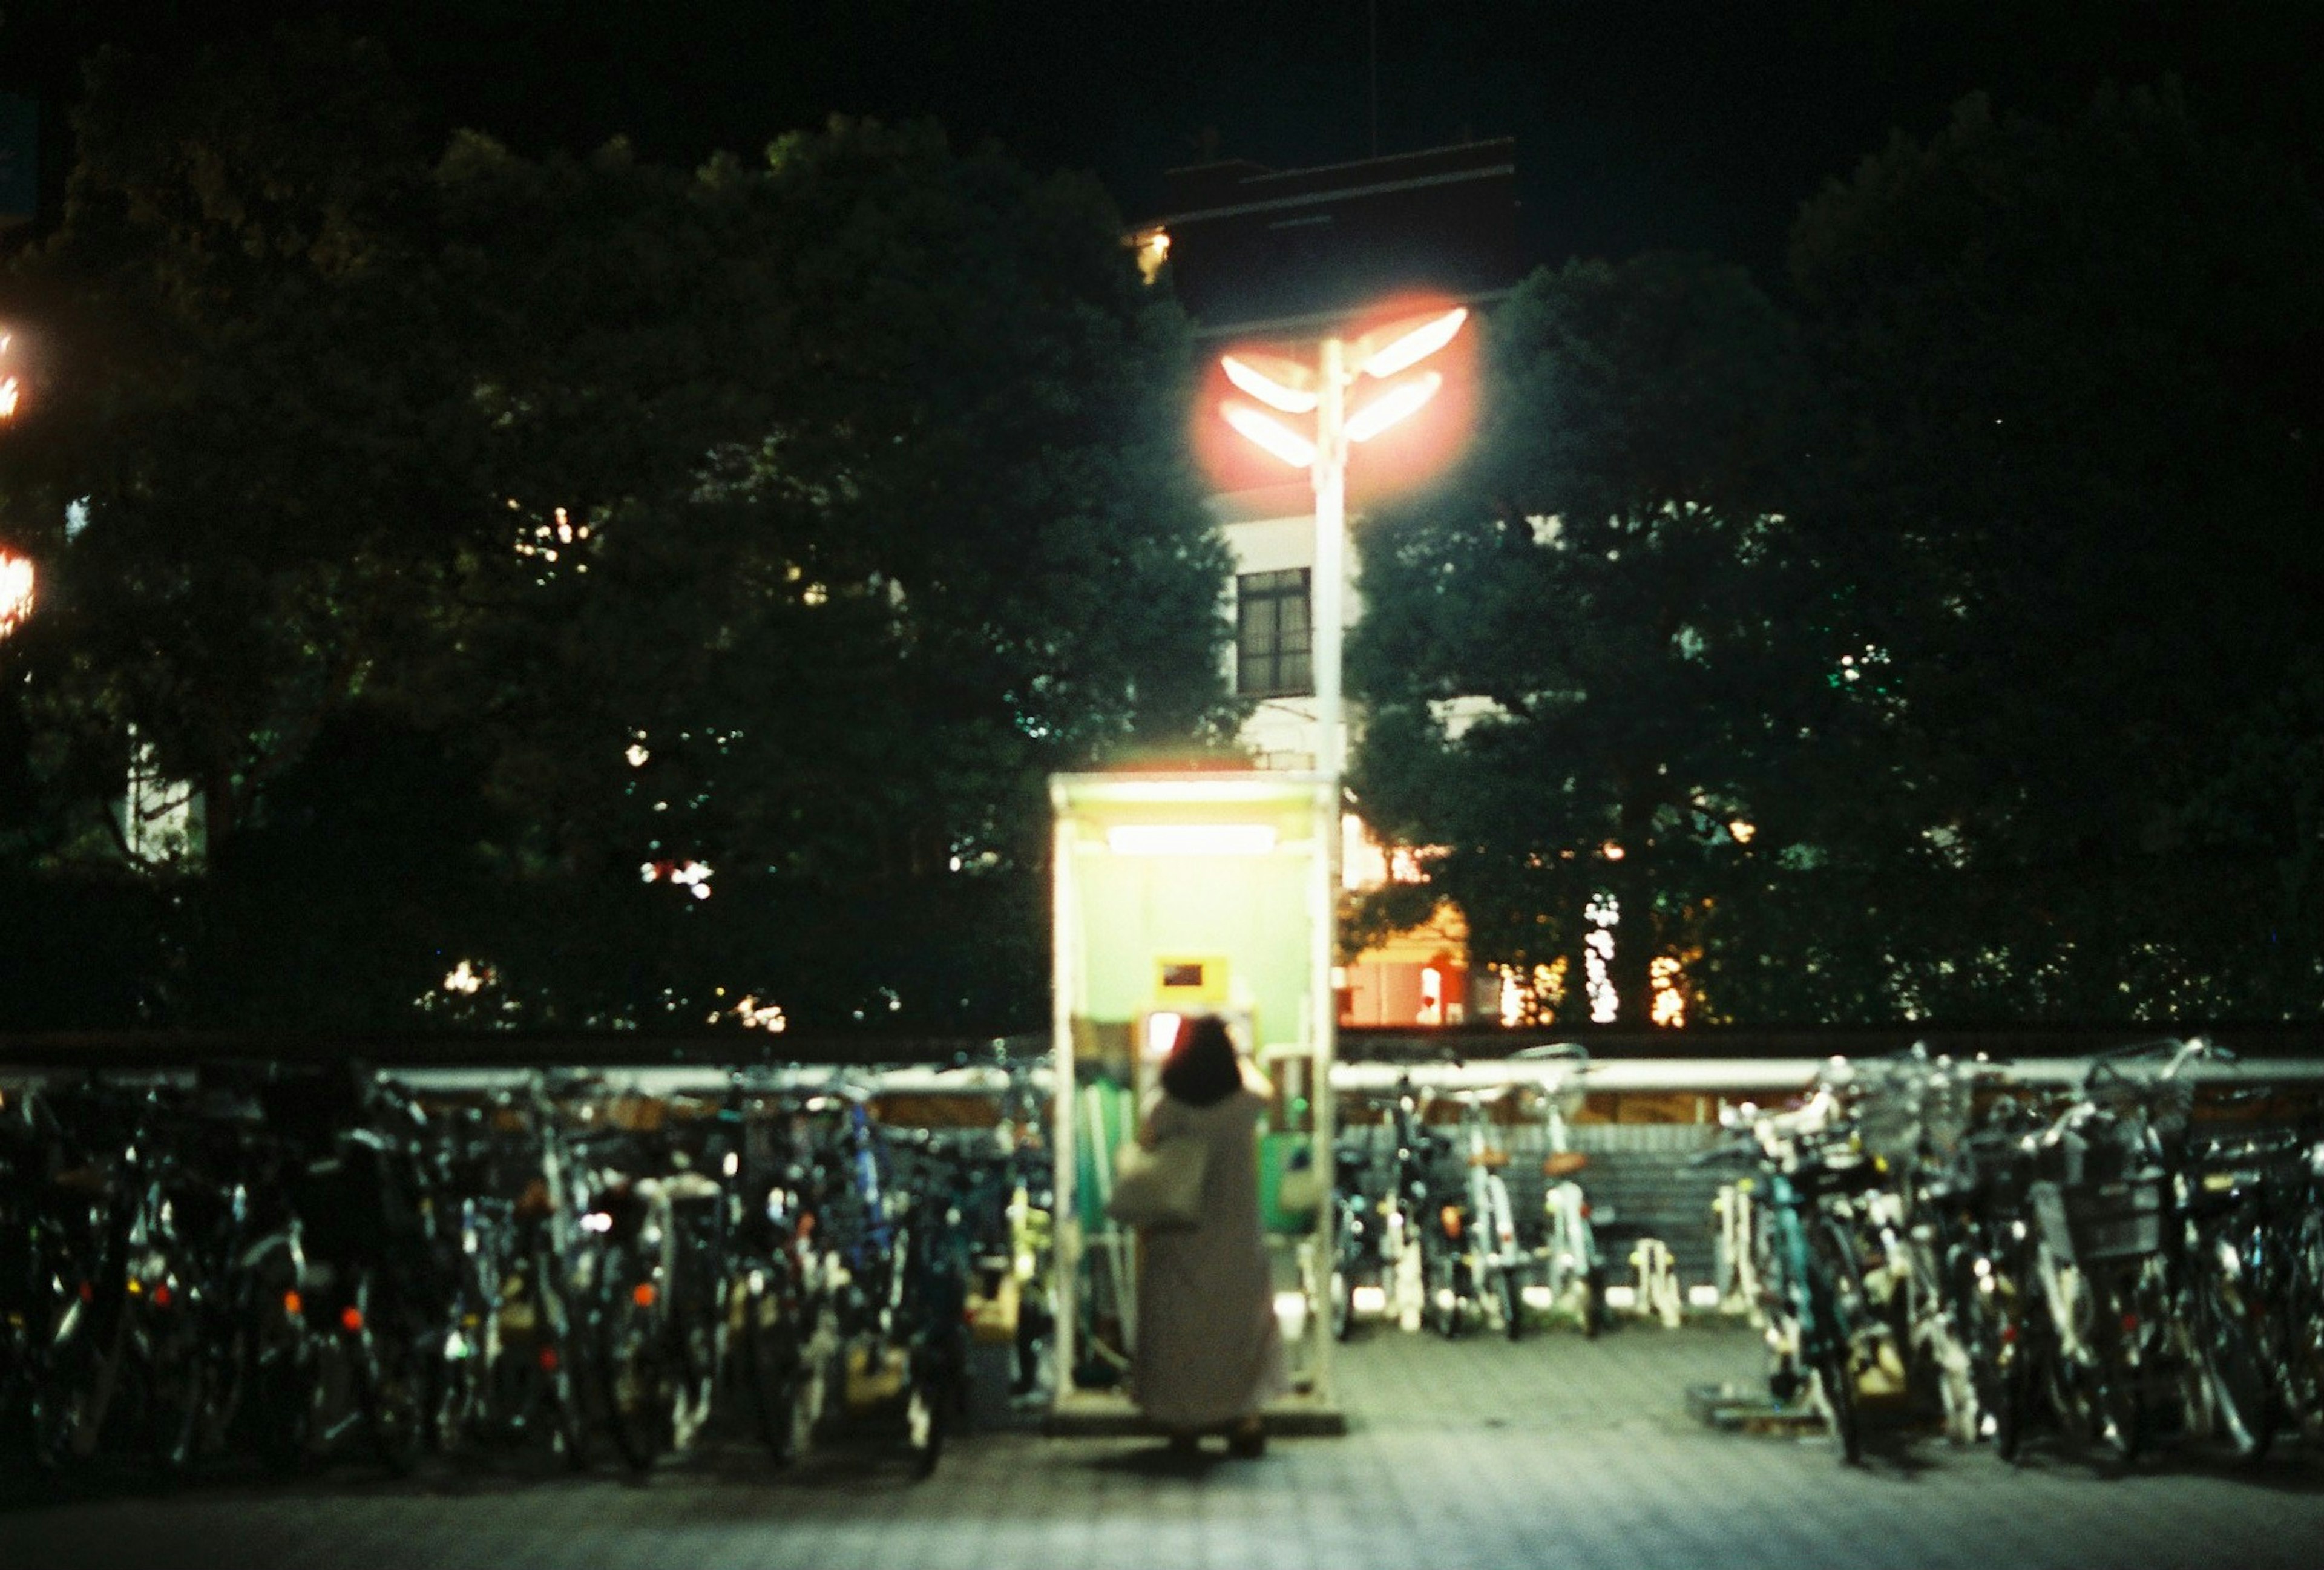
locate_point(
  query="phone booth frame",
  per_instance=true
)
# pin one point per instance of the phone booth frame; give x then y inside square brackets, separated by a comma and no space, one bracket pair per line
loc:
[1191,890]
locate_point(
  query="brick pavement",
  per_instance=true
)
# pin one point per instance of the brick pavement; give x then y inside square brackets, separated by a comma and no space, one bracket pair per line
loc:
[1554,1451]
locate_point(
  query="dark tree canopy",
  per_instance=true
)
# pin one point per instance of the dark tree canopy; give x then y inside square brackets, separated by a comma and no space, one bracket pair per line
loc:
[497,544]
[1992,613]
[1570,645]
[2069,491]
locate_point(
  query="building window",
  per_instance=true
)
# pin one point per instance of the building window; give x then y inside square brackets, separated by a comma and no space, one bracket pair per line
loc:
[1273,635]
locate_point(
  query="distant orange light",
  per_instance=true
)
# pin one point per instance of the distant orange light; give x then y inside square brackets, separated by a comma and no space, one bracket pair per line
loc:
[351,1319]
[293,1305]
[16,592]
[643,1294]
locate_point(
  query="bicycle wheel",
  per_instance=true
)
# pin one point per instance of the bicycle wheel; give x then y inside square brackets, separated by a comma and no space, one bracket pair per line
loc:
[392,1358]
[2241,1385]
[2012,1395]
[634,1366]
[2303,1326]
[1592,1301]
[174,1381]
[280,1396]
[1836,1388]
[933,1399]
[2119,1415]
[18,1379]
[1989,1349]
[772,1351]
[566,1330]
[2116,1412]
[1439,1282]
[1836,1300]
[459,1398]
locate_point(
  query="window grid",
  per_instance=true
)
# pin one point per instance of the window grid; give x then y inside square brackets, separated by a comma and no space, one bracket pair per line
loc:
[1273,635]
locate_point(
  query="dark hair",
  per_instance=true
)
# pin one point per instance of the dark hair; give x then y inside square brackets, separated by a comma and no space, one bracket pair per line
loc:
[1202,1069]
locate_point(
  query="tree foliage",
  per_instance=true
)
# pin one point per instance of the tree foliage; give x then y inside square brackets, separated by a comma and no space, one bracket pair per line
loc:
[482,535]
[1992,614]
[1567,644]
[2069,491]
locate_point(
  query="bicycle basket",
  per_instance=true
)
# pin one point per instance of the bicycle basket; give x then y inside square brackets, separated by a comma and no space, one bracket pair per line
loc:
[2118,1219]
[1888,1123]
[1837,1172]
[1991,1163]
[1947,1110]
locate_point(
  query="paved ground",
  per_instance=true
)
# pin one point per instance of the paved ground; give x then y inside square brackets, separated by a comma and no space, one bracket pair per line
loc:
[1554,1451]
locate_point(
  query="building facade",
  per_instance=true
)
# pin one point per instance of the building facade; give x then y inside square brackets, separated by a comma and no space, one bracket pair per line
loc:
[1275,261]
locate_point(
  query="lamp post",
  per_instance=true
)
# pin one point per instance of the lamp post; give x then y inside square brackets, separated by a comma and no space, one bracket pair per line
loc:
[1321,389]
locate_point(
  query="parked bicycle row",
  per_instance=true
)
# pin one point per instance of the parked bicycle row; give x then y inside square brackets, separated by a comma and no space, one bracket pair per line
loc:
[303,1266]
[1427,1216]
[2098,1266]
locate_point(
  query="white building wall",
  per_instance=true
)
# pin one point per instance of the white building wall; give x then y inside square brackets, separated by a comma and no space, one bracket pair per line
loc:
[1280,733]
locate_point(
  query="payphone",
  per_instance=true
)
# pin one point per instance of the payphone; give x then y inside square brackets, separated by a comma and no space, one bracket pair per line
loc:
[1203,891]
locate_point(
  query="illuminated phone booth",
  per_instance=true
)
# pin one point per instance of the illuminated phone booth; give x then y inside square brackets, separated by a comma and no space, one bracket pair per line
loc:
[1177,894]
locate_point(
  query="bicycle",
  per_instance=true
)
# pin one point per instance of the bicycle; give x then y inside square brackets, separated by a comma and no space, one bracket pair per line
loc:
[1470,1246]
[1571,1263]
[893,1301]
[2097,1326]
[1812,1298]
[1403,1206]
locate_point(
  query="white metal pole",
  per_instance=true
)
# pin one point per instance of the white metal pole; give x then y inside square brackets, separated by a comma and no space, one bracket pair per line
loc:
[1065,1212]
[1331,476]
[1330,479]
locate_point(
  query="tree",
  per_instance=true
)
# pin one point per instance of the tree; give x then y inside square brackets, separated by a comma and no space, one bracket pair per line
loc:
[2070,472]
[228,362]
[1577,651]
[529,528]
[942,545]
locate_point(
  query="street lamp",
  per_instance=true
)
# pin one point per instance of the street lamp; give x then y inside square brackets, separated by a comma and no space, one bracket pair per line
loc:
[1322,390]
[1292,387]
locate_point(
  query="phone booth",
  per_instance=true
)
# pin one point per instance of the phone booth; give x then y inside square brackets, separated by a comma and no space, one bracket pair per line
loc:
[1180,894]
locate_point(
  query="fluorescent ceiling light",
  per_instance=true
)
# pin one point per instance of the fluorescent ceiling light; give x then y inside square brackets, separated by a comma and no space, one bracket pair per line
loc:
[1191,839]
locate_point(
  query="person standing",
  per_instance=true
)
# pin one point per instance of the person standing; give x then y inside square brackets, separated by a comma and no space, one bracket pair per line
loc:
[1209,1354]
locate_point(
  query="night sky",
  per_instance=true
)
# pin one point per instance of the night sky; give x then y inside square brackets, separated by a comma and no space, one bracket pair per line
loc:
[1641,123]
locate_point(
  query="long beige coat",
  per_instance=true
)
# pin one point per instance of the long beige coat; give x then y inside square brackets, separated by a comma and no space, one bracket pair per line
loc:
[1209,1350]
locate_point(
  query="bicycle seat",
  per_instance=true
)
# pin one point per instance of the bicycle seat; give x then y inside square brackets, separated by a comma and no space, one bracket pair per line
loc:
[1492,1159]
[1563,1163]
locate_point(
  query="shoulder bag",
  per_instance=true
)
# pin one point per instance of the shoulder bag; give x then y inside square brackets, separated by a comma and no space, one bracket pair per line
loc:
[1162,1186]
